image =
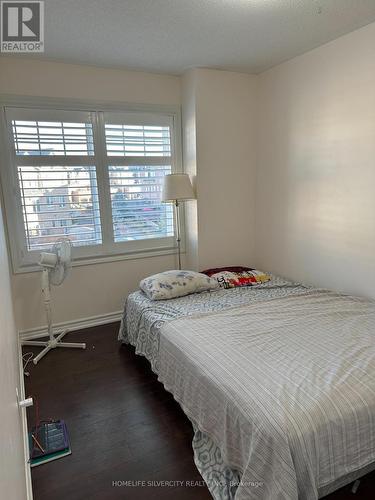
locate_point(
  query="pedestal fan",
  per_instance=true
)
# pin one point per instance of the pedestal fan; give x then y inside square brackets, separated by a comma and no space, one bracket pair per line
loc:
[55,268]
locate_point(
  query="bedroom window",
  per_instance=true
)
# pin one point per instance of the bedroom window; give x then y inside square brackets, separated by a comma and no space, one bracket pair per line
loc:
[59,201]
[93,176]
[139,154]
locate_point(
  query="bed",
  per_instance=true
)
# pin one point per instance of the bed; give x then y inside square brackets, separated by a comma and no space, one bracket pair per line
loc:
[278,380]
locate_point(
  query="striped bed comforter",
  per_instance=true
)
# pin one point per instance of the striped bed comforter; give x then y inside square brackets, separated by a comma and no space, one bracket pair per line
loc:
[284,387]
[143,318]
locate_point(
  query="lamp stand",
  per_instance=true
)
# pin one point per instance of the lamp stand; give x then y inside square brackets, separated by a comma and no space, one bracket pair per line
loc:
[178,228]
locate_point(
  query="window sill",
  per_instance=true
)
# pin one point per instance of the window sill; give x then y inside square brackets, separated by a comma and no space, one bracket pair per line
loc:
[87,261]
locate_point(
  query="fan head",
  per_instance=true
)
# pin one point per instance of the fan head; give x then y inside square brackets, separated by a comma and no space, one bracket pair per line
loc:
[58,261]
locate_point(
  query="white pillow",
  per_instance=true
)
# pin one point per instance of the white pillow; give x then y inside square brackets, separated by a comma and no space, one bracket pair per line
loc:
[172,284]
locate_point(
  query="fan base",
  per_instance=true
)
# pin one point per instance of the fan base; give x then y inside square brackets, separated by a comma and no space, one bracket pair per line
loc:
[52,343]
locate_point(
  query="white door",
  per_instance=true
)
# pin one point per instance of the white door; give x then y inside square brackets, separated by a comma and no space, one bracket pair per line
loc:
[13,469]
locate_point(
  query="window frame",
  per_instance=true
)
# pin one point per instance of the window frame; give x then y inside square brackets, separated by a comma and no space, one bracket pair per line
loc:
[24,261]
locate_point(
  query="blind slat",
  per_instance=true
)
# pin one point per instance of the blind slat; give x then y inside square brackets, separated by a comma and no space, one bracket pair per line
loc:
[88,217]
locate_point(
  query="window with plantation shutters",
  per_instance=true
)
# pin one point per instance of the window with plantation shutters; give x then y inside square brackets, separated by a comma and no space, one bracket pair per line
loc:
[137,211]
[59,201]
[139,154]
[92,176]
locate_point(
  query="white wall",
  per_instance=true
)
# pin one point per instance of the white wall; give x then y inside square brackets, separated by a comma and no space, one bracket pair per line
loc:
[189,142]
[12,461]
[315,211]
[219,116]
[29,76]
[95,289]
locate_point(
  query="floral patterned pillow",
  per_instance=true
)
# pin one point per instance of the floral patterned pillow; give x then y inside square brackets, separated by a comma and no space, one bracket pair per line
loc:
[172,284]
[232,279]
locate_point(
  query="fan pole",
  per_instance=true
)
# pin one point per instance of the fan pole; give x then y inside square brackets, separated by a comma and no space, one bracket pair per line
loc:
[46,290]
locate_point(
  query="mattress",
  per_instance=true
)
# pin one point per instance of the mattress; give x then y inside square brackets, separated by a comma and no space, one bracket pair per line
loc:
[140,326]
[285,388]
[146,325]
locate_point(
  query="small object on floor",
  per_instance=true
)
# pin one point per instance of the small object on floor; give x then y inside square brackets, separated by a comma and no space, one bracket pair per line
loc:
[49,441]
[356,486]
[38,444]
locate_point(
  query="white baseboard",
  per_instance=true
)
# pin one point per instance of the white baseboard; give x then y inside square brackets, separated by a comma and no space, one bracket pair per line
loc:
[78,324]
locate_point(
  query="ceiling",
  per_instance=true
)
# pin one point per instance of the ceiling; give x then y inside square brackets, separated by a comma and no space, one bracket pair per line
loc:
[170,36]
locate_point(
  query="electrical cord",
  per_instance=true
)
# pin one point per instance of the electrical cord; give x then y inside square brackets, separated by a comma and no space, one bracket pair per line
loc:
[27,358]
[36,430]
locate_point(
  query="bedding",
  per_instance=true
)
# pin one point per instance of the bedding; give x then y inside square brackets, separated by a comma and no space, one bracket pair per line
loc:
[172,284]
[284,387]
[142,322]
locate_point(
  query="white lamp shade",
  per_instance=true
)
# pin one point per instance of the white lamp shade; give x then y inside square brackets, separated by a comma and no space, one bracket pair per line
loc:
[177,187]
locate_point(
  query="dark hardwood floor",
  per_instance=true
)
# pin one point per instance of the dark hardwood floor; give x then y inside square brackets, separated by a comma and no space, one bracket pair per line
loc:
[123,426]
